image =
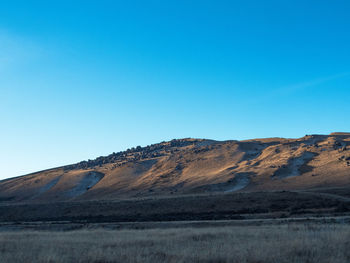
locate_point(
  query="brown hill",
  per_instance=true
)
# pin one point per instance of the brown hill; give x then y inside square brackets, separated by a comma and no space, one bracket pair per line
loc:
[193,166]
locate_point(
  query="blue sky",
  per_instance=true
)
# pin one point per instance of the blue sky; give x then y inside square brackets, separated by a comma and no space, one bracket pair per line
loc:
[80,79]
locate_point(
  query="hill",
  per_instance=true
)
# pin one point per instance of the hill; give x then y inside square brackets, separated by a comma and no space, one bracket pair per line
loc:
[193,166]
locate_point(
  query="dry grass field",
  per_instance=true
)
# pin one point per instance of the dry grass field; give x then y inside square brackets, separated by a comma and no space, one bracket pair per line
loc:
[189,200]
[290,243]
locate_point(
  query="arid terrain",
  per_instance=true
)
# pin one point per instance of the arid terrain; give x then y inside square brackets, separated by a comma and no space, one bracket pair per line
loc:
[191,179]
[192,166]
[187,200]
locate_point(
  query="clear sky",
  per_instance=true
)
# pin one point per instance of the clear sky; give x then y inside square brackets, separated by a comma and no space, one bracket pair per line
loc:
[80,79]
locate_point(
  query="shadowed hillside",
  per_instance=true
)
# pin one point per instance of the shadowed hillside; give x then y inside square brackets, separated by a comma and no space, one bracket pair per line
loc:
[193,166]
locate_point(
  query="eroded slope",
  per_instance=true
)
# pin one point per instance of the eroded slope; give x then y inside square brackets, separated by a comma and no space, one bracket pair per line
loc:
[193,166]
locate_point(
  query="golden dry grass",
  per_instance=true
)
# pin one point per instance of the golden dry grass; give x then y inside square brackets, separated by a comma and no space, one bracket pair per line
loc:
[251,244]
[192,166]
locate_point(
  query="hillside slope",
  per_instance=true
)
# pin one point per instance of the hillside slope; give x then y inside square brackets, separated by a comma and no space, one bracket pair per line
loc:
[193,166]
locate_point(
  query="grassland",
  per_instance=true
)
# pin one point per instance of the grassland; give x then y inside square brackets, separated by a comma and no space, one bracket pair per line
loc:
[256,227]
[290,243]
